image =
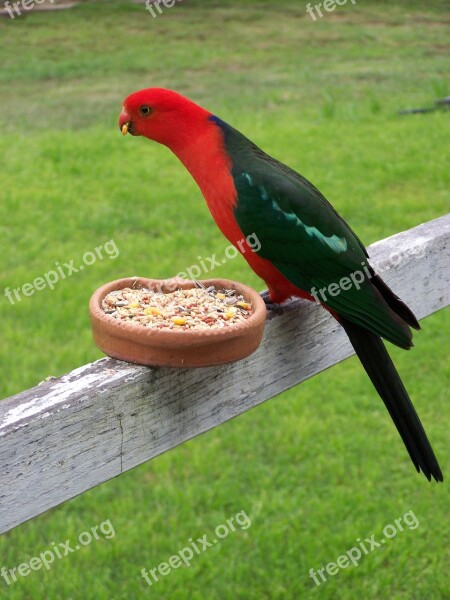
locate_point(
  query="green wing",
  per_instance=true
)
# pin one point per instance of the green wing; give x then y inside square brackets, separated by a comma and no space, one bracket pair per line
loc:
[309,243]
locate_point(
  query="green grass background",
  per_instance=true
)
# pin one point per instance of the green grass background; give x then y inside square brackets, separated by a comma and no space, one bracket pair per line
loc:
[318,466]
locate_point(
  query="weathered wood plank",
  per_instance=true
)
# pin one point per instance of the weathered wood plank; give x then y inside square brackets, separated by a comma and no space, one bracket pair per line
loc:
[72,433]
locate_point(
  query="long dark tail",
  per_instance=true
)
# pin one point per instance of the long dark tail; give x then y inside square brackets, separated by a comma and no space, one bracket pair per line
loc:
[383,374]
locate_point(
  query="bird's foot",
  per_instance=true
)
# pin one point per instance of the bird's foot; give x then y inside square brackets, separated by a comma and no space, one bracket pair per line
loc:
[275,308]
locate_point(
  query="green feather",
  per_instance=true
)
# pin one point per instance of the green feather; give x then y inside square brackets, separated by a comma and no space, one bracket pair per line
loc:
[304,237]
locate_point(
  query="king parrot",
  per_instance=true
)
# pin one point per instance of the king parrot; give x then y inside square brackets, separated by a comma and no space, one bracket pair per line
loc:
[305,245]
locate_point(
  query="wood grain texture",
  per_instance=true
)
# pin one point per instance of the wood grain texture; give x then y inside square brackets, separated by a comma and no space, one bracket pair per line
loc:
[74,432]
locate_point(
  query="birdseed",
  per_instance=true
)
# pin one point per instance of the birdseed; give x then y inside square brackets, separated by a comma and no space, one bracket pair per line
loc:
[195,308]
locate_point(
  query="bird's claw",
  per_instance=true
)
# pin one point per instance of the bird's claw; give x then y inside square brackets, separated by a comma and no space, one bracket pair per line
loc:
[275,308]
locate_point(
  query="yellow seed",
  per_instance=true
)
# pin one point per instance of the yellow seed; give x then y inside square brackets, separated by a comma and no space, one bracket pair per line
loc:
[179,320]
[228,315]
[134,305]
[152,310]
[244,305]
[125,129]
[220,296]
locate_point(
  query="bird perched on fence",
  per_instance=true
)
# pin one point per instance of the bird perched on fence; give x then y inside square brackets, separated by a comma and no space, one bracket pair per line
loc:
[307,250]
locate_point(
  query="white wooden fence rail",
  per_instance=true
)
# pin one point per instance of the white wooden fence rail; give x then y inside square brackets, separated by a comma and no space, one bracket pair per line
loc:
[74,432]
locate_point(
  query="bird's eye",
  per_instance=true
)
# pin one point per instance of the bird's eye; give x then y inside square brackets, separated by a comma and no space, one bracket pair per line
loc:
[145,110]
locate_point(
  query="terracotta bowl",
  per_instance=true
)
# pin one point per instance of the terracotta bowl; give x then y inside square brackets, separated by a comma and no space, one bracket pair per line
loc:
[176,348]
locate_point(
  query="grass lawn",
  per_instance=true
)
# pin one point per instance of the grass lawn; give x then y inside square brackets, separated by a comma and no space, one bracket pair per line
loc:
[320,465]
